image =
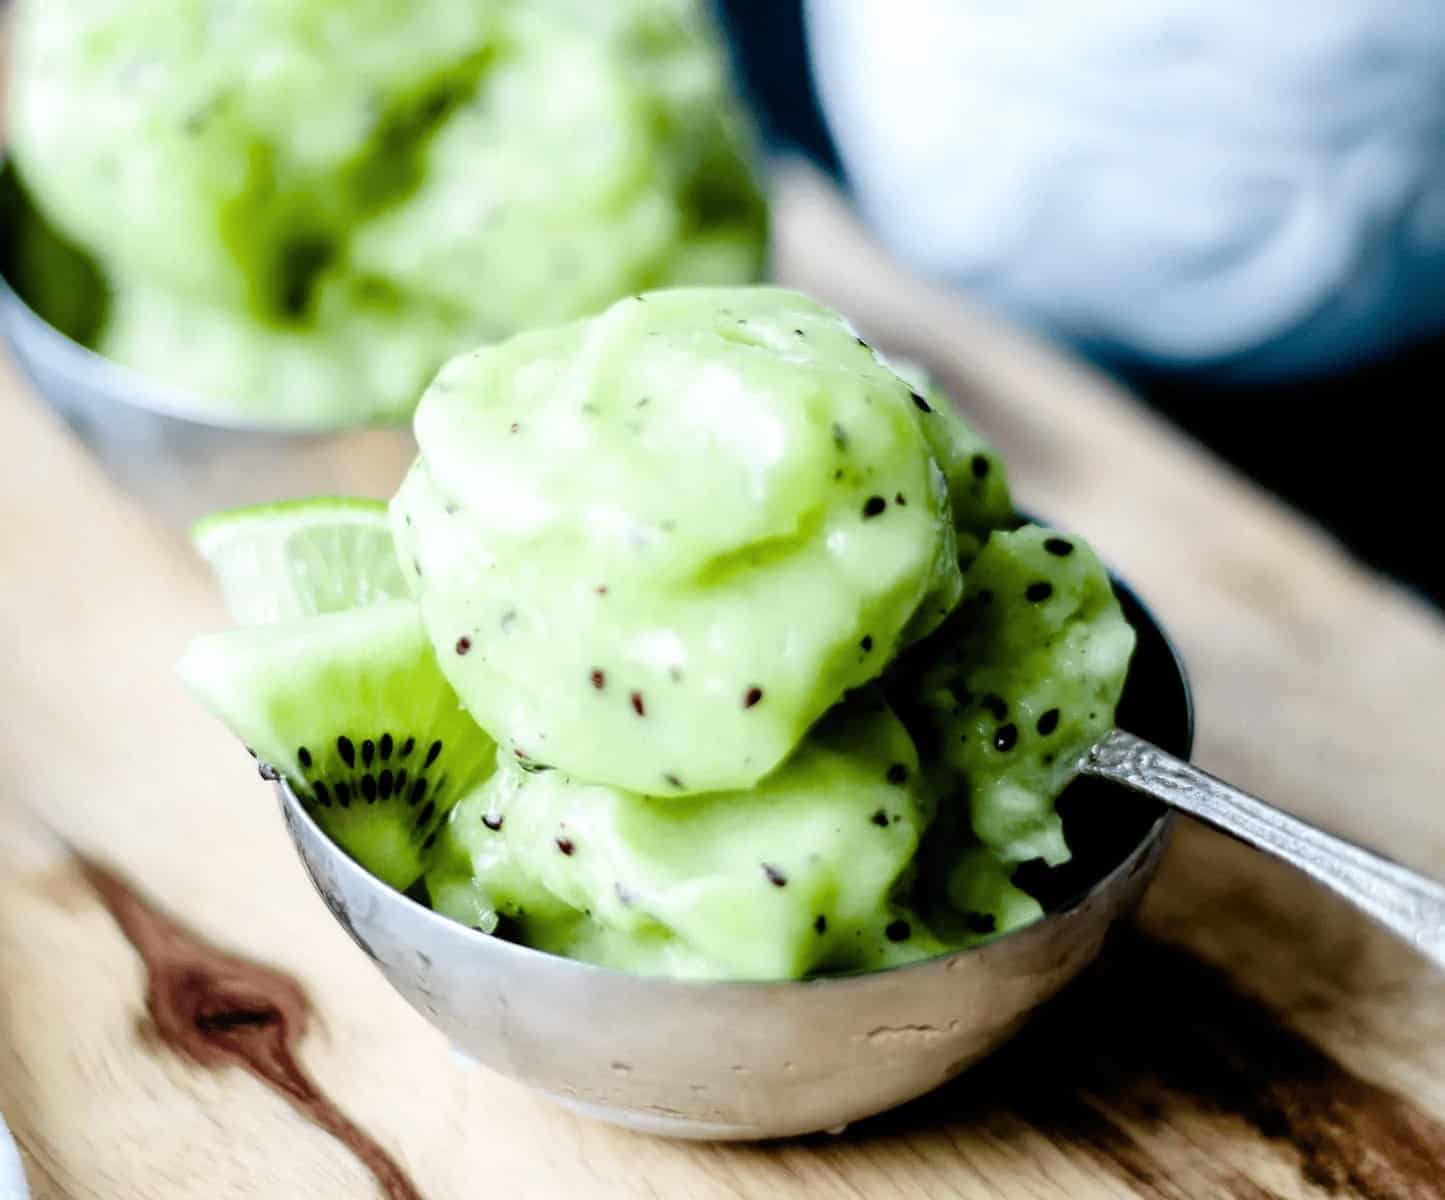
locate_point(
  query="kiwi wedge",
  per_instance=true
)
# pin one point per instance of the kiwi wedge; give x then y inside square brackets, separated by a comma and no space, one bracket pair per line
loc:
[353,711]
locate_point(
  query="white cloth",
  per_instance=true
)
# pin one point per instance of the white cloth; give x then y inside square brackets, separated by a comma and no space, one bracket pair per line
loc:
[1201,182]
[12,1177]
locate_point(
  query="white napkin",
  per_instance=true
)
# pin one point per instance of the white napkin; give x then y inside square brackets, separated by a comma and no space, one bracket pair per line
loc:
[12,1178]
[1191,182]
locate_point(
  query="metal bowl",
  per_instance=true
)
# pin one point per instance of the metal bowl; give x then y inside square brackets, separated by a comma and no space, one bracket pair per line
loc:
[760,1060]
[183,454]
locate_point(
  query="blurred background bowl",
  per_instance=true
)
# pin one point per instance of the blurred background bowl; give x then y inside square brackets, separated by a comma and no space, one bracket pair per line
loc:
[174,451]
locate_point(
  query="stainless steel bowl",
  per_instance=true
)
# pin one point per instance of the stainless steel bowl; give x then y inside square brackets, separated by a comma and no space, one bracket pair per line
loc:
[760,1060]
[182,454]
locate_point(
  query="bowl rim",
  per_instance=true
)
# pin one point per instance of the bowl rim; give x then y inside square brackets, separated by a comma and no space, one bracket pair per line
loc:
[1157,832]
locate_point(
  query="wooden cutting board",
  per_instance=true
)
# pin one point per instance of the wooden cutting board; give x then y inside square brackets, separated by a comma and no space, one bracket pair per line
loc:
[1253,1038]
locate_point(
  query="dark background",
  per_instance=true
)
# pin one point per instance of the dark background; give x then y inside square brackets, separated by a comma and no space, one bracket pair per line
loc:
[1360,451]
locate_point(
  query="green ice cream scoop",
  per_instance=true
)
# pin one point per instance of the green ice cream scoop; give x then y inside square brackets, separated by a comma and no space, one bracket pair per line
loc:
[319,201]
[806,872]
[652,548]
[1008,695]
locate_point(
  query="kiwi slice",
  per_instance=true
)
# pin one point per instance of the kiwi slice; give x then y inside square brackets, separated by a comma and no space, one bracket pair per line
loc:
[353,711]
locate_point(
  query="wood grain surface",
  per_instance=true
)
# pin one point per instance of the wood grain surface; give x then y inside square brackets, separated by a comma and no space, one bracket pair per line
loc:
[1252,1038]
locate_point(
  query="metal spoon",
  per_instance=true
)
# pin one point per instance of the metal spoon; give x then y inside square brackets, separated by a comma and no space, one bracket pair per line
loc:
[1406,903]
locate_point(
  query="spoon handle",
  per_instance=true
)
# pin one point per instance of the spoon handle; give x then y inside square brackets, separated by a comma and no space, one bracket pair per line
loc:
[1405,902]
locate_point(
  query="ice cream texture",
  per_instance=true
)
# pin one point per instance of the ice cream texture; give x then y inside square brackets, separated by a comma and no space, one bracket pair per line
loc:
[779,683]
[312,204]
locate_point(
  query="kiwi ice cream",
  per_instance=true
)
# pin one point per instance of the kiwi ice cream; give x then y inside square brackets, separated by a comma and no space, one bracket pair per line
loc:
[312,204]
[777,682]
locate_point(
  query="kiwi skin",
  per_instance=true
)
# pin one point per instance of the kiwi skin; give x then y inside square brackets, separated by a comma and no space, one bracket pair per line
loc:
[352,710]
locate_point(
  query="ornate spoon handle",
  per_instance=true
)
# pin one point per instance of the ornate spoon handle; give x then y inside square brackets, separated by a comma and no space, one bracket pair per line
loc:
[1405,902]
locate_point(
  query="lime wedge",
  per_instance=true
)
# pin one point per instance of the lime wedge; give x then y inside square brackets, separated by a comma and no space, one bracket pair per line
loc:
[301,558]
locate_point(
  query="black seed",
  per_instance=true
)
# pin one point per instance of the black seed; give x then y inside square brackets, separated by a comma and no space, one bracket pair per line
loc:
[637,704]
[1049,722]
[898,931]
[920,403]
[304,755]
[900,499]
[323,794]
[1036,593]
[995,705]
[752,696]
[674,780]
[1059,546]
[343,794]
[418,790]
[492,821]
[861,342]
[368,789]
[428,811]
[384,783]
[898,773]
[873,506]
[1048,760]
[463,644]
[267,772]
[1007,737]
[384,746]
[599,680]
[866,643]
[820,924]
[431,754]
[400,786]
[880,818]
[368,752]
[346,750]
[979,465]
[980,922]
[430,841]
[800,333]
[985,597]
[775,876]
[566,845]
[407,747]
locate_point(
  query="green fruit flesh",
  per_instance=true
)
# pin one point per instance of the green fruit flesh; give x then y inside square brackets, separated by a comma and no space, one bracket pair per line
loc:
[351,709]
[301,558]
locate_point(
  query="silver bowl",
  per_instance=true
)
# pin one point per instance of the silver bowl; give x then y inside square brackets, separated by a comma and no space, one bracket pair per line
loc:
[183,454]
[762,1060]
